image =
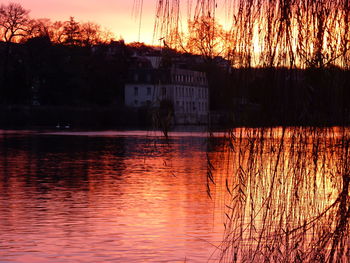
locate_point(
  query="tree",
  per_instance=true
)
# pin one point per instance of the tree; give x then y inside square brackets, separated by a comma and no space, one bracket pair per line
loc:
[44,27]
[57,32]
[13,25]
[206,37]
[39,28]
[14,21]
[72,32]
[90,34]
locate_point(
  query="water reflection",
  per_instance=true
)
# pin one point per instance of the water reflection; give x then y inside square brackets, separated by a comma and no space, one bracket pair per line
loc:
[286,193]
[105,198]
[278,195]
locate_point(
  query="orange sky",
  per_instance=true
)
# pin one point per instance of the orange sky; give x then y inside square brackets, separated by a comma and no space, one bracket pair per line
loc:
[116,15]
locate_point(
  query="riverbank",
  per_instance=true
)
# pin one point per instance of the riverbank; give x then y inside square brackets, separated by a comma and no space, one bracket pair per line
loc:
[114,117]
[19,116]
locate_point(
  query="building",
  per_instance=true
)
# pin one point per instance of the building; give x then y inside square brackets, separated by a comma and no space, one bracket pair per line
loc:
[186,90]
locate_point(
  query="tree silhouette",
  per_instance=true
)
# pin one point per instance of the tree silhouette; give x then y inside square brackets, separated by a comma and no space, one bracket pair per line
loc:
[206,37]
[14,21]
[72,32]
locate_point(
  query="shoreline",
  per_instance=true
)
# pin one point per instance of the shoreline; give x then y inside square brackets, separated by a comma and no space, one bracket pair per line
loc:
[121,117]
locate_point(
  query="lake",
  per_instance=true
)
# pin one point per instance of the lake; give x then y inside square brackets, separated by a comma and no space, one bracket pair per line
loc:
[106,196]
[244,195]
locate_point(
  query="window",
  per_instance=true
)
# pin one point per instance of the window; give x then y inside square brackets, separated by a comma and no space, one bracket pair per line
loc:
[136,77]
[148,91]
[136,91]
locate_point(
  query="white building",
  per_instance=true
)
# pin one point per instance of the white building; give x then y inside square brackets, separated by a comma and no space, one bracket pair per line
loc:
[187,90]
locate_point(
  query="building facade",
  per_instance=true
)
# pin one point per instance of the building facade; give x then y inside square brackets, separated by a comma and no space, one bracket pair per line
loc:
[186,90]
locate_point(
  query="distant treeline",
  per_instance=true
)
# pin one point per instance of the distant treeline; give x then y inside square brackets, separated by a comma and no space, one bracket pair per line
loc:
[45,65]
[17,26]
[53,74]
[281,96]
[53,63]
[39,73]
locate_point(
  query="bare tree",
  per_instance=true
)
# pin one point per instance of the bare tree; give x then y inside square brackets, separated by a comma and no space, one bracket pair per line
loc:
[91,34]
[206,37]
[40,27]
[57,32]
[14,21]
[68,32]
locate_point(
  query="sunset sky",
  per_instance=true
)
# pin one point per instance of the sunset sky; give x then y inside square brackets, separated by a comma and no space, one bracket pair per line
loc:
[115,15]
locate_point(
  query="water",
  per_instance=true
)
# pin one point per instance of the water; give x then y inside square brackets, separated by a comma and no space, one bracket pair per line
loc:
[106,197]
[277,194]
[287,194]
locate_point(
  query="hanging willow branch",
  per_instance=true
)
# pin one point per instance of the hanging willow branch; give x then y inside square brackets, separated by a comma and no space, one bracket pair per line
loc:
[273,33]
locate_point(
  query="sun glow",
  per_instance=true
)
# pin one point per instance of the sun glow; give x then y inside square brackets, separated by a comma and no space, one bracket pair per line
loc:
[268,33]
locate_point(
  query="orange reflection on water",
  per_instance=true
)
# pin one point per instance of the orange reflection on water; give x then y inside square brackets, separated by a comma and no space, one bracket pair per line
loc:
[282,189]
[138,199]
[105,199]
